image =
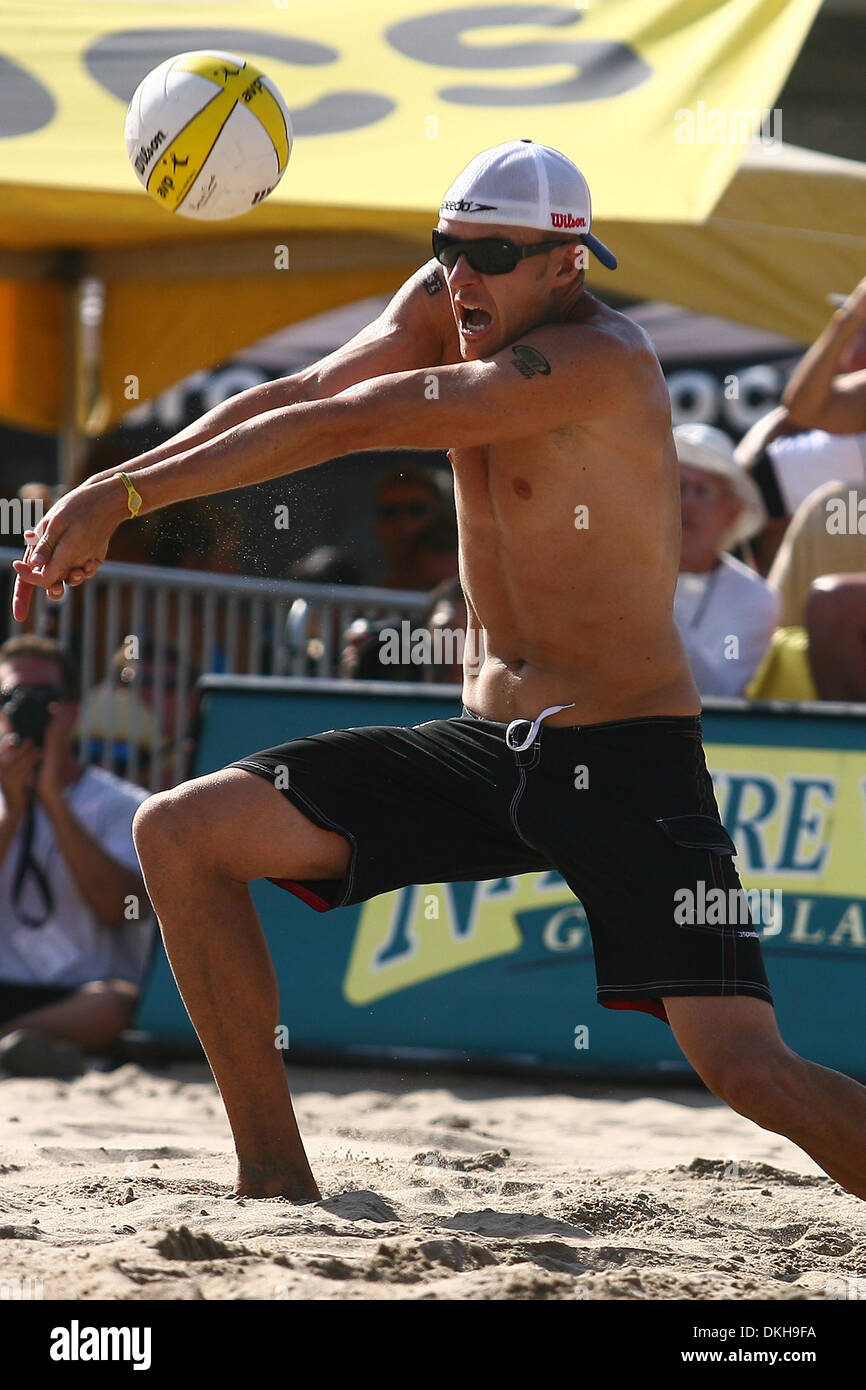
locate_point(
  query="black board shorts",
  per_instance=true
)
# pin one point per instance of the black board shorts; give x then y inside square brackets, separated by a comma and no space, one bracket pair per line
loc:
[623,810]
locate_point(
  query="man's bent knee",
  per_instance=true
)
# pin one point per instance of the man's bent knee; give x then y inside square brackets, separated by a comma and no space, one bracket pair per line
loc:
[155,823]
[179,818]
[238,822]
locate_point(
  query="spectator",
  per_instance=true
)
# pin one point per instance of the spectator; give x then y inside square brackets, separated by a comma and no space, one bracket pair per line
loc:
[123,712]
[818,433]
[433,553]
[823,538]
[823,655]
[430,558]
[407,500]
[725,612]
[75,923]
[41,496]
[823,542]
[196,535]
[836,627]
[446,619]
[380,650]
[356,639]
[397,649]
[827,390]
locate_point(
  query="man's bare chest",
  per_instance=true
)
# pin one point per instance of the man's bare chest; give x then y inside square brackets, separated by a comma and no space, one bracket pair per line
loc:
[534,482]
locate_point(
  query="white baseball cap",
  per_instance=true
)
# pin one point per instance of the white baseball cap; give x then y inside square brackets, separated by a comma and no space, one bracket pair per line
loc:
[523,184]
[712,450]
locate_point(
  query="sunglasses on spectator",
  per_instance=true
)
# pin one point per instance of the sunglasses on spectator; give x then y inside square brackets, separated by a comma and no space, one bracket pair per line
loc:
[389,511]
[487,255]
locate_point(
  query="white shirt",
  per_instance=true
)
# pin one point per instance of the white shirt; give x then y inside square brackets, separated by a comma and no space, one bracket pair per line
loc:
[802,462]
[725,618]
[73,947]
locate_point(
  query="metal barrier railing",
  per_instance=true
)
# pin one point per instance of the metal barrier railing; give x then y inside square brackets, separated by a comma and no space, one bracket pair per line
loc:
[177,625]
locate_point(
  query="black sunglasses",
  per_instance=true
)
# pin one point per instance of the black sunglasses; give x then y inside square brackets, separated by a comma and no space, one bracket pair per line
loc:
[491,255]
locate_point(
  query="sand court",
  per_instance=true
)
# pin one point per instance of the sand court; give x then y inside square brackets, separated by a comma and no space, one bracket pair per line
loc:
[117,1186]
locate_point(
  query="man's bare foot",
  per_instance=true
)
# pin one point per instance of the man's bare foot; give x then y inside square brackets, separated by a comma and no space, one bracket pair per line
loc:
[275,1180]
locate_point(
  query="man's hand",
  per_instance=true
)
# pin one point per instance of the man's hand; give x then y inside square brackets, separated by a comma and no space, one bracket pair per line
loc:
[19,761]
[69,543]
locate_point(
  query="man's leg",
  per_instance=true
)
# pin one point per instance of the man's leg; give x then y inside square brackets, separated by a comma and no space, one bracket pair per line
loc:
[92,1017]
[734,1045]
[200,844]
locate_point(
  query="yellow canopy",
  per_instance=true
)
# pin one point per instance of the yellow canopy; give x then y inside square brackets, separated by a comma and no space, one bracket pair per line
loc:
[389,99]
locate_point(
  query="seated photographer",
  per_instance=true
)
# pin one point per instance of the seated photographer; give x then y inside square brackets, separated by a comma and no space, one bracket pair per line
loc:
[76,927]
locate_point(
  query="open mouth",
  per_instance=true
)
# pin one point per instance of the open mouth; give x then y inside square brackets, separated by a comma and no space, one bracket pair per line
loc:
[473,321]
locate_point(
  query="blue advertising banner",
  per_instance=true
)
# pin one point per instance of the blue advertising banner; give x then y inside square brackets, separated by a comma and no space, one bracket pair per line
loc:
[502,971]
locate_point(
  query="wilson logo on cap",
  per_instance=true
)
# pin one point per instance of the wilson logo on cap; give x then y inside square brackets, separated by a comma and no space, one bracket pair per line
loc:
[566,219]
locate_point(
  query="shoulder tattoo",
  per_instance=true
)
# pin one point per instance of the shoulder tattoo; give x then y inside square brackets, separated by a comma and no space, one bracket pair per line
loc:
[530,360]
[432,282]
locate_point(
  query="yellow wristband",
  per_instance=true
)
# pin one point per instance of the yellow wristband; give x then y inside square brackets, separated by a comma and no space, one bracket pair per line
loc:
[133,499]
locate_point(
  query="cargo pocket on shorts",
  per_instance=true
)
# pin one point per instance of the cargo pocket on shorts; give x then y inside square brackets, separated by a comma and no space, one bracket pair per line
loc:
[710,898]
[698,832]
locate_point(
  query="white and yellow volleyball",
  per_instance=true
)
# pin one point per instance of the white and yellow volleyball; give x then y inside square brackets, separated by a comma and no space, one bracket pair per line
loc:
[208,135]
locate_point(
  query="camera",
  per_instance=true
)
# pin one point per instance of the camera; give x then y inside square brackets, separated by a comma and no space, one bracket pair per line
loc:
[26,708]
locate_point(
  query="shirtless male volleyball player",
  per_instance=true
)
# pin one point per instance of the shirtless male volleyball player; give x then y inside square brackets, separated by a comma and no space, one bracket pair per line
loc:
[556,416]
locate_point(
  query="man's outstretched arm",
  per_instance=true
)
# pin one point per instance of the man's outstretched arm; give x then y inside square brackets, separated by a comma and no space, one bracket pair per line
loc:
[548,380]
[527,388]
[408,333]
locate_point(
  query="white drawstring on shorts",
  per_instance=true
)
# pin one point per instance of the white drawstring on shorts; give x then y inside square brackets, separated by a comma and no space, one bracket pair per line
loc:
[534,726]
